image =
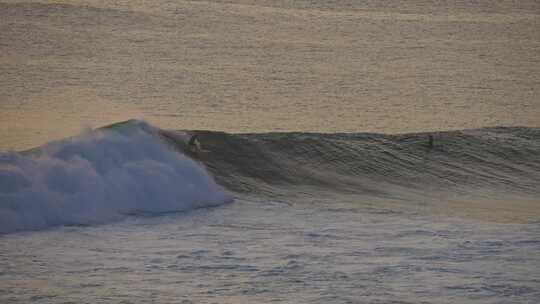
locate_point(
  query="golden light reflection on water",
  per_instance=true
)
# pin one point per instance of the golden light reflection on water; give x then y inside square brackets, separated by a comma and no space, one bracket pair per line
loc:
[488,207]
[258,66]
[61,113]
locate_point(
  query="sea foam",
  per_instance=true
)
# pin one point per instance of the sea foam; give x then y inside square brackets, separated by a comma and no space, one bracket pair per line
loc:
[98,177]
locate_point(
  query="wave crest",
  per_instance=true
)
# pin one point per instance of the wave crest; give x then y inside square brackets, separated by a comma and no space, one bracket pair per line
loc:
[98,177]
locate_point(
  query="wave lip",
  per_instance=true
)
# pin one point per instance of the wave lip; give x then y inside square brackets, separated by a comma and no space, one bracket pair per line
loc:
[98,177]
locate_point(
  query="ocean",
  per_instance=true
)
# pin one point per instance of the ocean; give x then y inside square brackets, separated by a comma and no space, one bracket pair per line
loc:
[350,151]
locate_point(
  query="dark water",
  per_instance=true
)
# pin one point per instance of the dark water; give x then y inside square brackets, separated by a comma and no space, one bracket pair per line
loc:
[505,158]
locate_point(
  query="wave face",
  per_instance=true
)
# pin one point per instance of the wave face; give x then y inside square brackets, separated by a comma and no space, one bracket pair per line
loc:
[132,167]
[99,177]
[503,159]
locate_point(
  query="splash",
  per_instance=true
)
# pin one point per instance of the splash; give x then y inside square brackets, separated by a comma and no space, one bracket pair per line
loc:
[99,177]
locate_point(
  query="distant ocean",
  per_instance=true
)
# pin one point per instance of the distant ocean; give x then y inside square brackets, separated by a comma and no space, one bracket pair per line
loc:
[261,66]
[351,152]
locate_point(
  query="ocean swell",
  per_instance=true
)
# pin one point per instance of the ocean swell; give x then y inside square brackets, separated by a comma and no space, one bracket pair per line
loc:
[132,167]
[505,160]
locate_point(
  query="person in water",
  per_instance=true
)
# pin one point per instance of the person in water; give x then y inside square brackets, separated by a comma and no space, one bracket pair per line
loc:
[194,144]
[430,141]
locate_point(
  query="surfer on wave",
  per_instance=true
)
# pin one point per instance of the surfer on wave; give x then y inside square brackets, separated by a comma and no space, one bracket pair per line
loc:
[194,144]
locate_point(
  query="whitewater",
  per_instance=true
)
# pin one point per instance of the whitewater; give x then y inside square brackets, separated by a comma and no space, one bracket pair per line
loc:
[129,213]
[100,176]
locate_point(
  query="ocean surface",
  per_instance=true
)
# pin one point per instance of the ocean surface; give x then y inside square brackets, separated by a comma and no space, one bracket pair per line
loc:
[129,214]
[261,66]
[316,181]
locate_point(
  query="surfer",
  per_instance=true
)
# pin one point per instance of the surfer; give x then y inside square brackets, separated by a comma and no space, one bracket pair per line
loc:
[430,141]
[194,144]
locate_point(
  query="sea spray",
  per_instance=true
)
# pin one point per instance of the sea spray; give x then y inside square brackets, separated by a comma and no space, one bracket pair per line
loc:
[98,177]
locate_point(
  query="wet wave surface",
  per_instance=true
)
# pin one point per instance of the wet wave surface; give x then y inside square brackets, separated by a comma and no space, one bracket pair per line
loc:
[133,168]
[506,159]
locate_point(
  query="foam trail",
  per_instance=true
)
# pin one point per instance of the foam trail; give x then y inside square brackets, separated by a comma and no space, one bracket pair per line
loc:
[98,177]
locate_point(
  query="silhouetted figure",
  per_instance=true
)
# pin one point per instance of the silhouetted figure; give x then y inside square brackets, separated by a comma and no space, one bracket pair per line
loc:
[430,141]
[194,145]
[193,141]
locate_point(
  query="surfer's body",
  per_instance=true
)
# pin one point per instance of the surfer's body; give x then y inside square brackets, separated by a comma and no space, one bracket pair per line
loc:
[194,144]
[195,148]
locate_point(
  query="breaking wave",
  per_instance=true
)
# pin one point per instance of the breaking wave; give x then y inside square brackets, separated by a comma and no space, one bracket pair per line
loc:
[132,167]
[99,177]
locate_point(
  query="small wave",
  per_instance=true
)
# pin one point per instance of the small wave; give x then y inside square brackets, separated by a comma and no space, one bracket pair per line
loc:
[98,177]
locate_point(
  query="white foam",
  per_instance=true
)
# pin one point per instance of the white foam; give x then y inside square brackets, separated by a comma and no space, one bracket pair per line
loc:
[98,177]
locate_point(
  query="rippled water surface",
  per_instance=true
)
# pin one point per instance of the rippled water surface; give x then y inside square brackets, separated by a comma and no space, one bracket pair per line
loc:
[275,252]
[253,66]
[317,218]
